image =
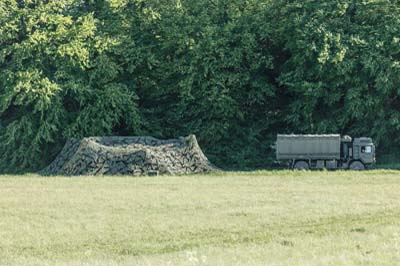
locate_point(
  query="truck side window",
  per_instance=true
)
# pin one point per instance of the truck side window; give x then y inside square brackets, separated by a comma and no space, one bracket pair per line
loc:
[366,149]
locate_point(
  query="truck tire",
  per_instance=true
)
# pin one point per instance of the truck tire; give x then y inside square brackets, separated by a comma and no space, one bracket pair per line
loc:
[301,165]
[357,166]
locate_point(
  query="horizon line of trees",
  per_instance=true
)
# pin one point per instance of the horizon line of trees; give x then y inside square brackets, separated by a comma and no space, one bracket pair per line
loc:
[233,72]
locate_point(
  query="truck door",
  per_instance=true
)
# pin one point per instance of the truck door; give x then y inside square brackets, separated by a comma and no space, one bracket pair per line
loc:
[367,153]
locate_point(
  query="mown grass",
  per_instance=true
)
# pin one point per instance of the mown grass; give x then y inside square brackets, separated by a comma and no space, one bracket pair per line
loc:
[227,218]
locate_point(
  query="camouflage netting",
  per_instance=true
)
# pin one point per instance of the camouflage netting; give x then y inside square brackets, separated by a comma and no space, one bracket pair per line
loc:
[130,156]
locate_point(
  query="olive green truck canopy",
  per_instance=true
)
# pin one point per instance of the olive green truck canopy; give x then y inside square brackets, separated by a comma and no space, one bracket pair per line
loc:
[308,147]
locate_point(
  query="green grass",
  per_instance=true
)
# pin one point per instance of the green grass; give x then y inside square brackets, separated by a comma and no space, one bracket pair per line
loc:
[239,218]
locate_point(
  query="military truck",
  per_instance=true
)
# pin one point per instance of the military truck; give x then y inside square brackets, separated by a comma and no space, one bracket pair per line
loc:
[332,151]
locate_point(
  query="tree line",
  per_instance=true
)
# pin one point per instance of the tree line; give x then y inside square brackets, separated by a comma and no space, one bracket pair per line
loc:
[233,72]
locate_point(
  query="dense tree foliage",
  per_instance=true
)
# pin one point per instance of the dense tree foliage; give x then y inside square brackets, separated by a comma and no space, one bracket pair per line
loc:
[233,72]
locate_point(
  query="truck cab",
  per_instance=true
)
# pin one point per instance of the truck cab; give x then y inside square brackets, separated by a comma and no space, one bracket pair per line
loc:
[364,150]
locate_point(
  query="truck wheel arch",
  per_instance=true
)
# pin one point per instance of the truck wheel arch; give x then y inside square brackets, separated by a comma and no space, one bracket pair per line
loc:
[301,165]
[357,165]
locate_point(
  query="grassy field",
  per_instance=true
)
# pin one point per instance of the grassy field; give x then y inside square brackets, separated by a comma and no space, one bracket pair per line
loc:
[256,218]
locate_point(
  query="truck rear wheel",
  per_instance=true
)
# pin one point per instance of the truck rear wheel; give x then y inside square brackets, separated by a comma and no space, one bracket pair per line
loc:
[301,165]
[357,166]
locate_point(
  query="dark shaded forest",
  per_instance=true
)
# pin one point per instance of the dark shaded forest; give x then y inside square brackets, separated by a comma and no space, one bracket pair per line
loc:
[233,72]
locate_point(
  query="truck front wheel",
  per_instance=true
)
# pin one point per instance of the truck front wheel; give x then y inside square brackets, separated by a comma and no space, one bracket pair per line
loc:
[357,166]
[301,165]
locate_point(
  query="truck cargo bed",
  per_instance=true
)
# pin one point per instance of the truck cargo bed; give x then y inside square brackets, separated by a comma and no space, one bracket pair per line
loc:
[308,147]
